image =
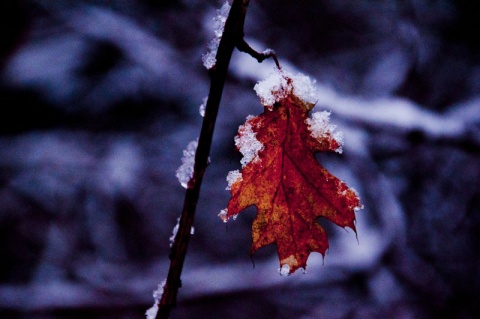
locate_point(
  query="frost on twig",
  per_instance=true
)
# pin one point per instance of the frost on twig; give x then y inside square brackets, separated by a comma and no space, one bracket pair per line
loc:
[151,313]
[203,106]
[185,171]
[175,231]
[209,58]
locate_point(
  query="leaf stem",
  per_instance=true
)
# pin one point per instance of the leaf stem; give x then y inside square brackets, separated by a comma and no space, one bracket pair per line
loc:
[232,37]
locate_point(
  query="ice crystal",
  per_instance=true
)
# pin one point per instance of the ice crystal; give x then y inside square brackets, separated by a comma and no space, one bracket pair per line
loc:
[185,171]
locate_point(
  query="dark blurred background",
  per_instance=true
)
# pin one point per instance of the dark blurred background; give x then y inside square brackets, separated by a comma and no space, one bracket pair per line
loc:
[99,98]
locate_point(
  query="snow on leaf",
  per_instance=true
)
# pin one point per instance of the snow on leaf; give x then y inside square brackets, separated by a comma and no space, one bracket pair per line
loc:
[320,128]
[232,177]
[247,142]
[285,182]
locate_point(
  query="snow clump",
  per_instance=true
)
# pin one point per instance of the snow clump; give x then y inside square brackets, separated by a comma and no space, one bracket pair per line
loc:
[203,106]
[209,58]
[247,143]
[320,128]
[233,177]
[157,295]
[285,270]
[281,83]
[185,171]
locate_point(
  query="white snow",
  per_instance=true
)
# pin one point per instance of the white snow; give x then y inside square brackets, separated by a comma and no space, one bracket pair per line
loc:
[247,143]
[157,295]
[272,89]
[151,313]
[285,270]
[185,171]
[209,58]
[277,86]
[304,88]
[320,127]
[232,177]
[175,231]
[389,111]
[203,106]
[223,215]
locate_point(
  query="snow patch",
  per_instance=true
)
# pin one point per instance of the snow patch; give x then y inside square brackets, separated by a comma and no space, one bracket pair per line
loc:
[320,128]
[185,171]
[281,83]
[223,215]
[175,231]
[233,177]
[285,270]
[274,88]
[151,313]
[209,58]
[203,106]
[247,143]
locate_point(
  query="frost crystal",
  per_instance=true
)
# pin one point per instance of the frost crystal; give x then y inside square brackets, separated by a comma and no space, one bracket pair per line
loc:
[152,312]
[203,106]
[157,295]
[277,86]
[209,58]
[185,171]
[232,177]
[320,127]
[285,270]
[175,231]
[247,143]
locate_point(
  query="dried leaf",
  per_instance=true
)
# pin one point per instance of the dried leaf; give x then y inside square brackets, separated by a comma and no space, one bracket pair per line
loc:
[282,178]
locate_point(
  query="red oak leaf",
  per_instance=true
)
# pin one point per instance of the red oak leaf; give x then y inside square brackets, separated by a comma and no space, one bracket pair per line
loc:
[282,178]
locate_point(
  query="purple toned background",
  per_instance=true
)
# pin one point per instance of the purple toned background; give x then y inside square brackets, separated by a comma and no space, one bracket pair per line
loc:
[99,98]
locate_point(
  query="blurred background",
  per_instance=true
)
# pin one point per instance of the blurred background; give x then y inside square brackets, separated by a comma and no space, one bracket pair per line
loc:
[98,99]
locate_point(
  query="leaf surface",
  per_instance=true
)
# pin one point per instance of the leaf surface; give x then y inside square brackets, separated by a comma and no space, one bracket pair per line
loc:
[289,187]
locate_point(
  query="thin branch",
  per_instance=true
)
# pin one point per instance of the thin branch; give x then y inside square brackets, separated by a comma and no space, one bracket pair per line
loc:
[243,46]
[232,37]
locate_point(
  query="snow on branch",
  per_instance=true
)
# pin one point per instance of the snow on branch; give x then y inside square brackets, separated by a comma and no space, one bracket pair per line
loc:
[209,59]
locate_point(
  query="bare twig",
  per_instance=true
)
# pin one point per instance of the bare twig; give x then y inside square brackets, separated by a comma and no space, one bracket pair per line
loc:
[232,37]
